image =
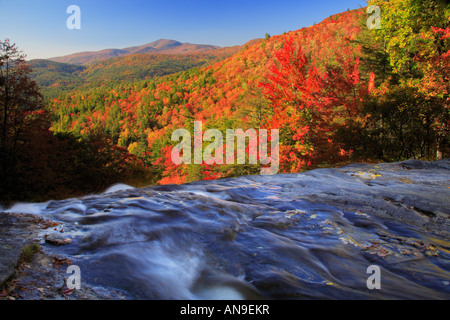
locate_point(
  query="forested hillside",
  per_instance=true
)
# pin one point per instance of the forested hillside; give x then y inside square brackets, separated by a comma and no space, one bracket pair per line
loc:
[229,94]
[338,92]
[332,89]
[309,165]
[162,46]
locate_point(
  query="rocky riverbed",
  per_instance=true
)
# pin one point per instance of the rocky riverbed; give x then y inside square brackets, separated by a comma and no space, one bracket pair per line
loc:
[37,275]
[313,235]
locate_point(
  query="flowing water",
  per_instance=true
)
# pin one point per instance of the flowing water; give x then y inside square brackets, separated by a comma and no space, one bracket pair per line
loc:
[301,236]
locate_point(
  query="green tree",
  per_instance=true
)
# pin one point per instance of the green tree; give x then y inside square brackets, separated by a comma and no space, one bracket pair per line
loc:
[416,37]
[402,123]
[406,29]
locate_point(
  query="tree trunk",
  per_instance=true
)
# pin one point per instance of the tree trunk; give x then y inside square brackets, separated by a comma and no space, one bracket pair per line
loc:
[439,154]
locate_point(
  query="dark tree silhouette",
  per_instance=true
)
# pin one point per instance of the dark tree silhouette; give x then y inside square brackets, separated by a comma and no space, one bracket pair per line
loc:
[20,99]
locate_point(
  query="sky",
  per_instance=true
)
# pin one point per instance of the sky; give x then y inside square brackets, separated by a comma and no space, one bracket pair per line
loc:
[39,27]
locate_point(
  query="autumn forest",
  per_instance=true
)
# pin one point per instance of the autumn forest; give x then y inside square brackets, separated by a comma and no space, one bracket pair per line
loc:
[338,91]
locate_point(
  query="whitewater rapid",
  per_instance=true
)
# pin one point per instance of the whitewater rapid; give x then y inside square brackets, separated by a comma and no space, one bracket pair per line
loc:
[300,236]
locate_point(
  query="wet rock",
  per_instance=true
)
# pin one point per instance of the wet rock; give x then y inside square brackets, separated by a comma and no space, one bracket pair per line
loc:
[9,258]
[57,239]
[15,233]
[45,278]
[310,235]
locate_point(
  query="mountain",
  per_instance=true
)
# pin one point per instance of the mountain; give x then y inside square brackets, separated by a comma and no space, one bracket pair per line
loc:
[49,73]
[163,46]
[227,94]
[329,90]
[57,77]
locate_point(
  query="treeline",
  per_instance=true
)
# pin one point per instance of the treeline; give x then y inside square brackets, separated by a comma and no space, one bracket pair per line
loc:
[35,163]
[56,78]
[49,166]
[407,113]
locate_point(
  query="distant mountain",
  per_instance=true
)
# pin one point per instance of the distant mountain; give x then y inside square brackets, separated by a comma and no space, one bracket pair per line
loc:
[50,73]
[163,46]
[57,77]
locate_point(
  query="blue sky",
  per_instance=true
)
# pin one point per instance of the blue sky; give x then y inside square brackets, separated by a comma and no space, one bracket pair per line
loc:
[39,28]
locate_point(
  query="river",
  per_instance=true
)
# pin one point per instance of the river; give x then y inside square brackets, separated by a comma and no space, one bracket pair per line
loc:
[312,235]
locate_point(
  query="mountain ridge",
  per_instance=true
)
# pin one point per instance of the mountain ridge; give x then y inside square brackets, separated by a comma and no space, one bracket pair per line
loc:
[56,77]
[165,46]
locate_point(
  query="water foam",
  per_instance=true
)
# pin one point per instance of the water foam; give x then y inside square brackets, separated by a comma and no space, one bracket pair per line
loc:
[28,208]
[118,187]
